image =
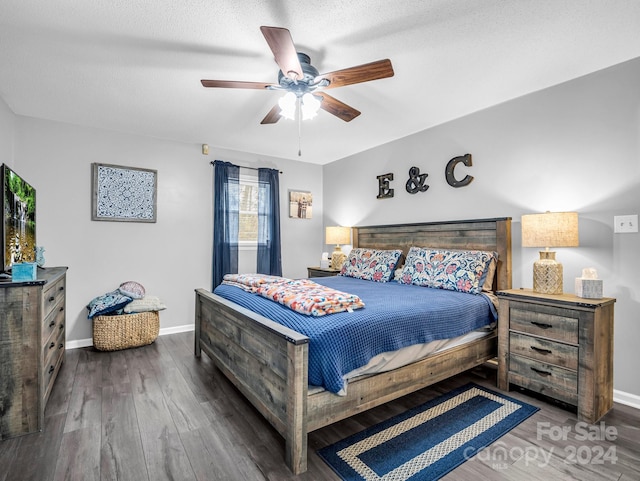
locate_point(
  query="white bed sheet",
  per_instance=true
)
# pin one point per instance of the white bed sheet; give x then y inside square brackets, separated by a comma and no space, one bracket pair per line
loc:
[388,361]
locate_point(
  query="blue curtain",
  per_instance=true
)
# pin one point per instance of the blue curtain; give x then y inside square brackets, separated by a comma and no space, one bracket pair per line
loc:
[269,258]
[226,210]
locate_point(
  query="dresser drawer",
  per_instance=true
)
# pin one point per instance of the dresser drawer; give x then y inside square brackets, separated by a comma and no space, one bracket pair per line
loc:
[52,295]
[545,378]
[53,361]
[545,321]
[51,349]
[552,352]
[54,322]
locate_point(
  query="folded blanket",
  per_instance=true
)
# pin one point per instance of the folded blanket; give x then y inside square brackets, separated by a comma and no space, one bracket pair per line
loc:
[307,297]
[250,282]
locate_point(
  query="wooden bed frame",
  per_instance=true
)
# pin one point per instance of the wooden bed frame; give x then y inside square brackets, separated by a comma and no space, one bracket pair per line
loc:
[268,362]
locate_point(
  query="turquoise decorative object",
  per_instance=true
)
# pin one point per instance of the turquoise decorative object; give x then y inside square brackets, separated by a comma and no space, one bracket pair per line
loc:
[25,271]
[40,256]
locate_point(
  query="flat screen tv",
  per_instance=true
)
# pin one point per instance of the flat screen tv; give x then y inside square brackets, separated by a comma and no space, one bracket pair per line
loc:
[18,219]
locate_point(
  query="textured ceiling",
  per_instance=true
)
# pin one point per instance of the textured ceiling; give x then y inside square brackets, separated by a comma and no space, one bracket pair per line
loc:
[135,66]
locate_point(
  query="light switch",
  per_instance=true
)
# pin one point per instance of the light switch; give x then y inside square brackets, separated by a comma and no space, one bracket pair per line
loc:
[624,224]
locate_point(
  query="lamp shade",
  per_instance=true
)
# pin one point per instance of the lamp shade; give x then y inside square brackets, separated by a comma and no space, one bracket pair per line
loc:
[551,229]
[338,235]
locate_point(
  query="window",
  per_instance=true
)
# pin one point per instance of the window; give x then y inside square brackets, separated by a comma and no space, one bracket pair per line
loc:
[248,235]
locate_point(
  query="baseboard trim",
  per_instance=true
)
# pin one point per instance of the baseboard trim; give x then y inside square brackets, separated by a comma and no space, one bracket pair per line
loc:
[177,329]
[626,398]
[79,343]
[163,332]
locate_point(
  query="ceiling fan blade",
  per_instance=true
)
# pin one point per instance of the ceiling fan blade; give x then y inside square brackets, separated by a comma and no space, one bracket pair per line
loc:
[337,108]
[284,51]
[235,84]
[361,73]
[273,116]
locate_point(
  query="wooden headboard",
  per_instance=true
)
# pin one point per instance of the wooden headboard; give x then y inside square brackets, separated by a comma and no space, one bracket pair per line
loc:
[479,234]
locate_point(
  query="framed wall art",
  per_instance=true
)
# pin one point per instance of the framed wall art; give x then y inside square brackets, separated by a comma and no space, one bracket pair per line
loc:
[300,204]
[123,194]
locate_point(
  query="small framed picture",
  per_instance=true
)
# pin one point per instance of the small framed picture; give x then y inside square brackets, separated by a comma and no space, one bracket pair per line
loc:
[123,194]
[300,204]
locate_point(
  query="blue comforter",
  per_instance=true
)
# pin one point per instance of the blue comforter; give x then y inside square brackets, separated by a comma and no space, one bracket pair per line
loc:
[395,316]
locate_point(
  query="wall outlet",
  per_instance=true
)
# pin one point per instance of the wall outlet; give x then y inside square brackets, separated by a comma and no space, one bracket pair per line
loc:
[624,224]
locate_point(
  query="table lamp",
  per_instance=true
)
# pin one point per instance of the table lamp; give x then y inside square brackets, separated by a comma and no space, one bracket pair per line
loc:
[337,235]
[551,229]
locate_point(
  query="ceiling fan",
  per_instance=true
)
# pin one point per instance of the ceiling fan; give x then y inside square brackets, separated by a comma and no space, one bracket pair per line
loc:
[299,77]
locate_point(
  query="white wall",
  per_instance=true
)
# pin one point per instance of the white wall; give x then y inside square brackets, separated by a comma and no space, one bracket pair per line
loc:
[7,129]
[171,257]
[575,146]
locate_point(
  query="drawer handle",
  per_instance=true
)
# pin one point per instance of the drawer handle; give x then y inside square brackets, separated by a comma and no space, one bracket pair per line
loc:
[52,298]
[61,288]
[541,325]
[52,323]
[61,308]
[60,346]
[52,345]
[541,372]
[540,350]
[51,369]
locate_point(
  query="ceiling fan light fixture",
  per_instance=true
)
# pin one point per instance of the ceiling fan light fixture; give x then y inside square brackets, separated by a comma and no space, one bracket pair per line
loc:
[288,105]
[310,106]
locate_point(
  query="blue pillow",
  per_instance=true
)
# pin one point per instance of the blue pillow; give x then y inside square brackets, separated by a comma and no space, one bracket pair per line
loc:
[107,303]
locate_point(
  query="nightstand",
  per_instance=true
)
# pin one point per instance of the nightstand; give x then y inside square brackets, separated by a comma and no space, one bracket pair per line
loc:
[558,345]
[321,272]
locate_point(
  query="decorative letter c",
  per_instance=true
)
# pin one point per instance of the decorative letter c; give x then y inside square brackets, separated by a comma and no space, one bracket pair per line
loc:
[451,165]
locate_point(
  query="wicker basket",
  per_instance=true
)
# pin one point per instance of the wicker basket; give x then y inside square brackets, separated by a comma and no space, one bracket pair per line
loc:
[112,333]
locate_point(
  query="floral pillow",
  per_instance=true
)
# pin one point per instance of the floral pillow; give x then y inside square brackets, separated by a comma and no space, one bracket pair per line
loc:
[463,271]
[132,289]
[108,303]
[371,264]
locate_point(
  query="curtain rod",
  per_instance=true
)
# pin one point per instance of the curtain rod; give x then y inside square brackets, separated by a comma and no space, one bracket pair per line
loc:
[250,168]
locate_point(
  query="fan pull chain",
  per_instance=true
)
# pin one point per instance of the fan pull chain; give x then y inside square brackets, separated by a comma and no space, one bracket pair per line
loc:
[299,129]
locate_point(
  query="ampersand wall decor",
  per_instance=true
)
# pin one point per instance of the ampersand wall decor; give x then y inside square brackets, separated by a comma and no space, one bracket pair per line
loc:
[416,182]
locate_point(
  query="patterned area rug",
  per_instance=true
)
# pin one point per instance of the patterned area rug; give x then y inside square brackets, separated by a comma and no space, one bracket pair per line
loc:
[427,442]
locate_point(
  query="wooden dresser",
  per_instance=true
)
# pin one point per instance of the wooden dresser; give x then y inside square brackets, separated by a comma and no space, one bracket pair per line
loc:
[558,345]
[32,348]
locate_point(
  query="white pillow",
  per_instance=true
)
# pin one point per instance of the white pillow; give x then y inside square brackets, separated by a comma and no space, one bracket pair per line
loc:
[147,303]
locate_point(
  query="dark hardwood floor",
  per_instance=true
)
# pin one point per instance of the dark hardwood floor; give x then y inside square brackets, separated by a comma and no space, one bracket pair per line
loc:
[158,413]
